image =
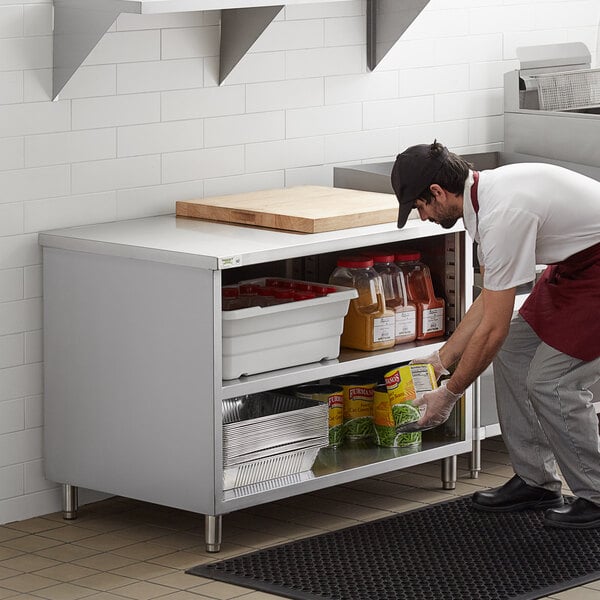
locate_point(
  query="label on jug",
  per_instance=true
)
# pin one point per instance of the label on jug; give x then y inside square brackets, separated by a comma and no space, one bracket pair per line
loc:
[433,320]
[384,329]
[406,323]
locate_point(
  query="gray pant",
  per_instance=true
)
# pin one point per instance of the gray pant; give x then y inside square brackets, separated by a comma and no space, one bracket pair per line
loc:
[546,413]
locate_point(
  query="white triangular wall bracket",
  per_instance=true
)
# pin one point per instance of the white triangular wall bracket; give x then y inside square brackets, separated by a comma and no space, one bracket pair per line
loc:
[387,20]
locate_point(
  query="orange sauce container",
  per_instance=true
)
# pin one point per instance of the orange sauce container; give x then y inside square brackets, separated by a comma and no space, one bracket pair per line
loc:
[431,310]
[369,325]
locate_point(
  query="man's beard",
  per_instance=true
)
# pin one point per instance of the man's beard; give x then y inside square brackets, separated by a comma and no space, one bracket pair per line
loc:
[448,223]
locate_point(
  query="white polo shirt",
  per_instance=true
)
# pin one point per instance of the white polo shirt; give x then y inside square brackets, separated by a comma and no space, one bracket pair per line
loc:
[530,213]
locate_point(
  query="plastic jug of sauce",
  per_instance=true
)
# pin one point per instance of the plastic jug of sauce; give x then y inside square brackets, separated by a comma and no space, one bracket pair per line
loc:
[396,296]
[431,317]
[369,325]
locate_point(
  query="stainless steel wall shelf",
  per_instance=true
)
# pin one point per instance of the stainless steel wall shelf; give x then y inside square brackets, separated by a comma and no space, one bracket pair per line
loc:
[79,25]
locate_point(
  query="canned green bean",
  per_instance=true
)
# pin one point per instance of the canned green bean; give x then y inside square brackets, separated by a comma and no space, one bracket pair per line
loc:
[358,406]
[332,394]
[387,415]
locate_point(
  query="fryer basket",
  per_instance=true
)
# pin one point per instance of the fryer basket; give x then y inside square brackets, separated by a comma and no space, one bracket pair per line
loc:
[567,90]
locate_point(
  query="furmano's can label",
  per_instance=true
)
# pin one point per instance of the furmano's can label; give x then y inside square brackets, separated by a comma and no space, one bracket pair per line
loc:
[387,416]
[358,407]
[336,418]
[409,382]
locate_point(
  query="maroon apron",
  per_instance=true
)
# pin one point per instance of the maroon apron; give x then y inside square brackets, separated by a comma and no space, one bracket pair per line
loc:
[564,306]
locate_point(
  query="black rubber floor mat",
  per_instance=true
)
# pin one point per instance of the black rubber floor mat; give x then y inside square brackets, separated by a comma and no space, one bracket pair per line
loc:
[447,551]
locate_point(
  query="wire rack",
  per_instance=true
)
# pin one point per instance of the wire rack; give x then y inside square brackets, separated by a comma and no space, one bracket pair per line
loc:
[569,89]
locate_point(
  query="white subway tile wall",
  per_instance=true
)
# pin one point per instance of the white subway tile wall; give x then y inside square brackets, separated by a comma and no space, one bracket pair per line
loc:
[12,353]
[284,154]
[11,218]
[11,286]
[244,129]
[143,123]
[244,183]
[203,102]
[280,95]
[160,75]
[154,200]
[11,86]
[73,146]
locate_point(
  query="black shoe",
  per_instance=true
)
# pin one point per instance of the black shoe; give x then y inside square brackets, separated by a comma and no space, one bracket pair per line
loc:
[581,514]
[516,495]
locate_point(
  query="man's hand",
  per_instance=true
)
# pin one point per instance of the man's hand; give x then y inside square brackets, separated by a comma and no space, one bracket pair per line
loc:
[438,405]
[433,360]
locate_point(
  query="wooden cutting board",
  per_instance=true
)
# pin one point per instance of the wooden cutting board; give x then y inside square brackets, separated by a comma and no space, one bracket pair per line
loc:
[309,209]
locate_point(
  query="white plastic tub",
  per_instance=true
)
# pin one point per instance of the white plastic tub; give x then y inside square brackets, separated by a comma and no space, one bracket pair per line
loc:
[260,339]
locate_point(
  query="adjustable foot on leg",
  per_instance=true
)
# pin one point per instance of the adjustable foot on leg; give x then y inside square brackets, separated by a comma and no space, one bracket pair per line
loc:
[475,459]
[212,532]
[449,472]
[70,501]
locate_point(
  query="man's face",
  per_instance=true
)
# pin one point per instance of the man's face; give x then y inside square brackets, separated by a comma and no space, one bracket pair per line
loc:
[441,209]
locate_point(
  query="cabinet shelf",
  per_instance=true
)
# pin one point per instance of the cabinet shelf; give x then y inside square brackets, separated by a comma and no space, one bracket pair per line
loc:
[342,465]
[349,361]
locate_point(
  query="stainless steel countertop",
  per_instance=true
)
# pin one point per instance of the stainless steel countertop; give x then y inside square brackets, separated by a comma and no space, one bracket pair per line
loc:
[211,245]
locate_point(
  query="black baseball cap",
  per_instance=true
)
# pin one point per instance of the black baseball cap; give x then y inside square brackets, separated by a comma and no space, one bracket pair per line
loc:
[413,171]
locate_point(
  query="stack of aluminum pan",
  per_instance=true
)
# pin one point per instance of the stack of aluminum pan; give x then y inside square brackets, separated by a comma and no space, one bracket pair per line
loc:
[270,435]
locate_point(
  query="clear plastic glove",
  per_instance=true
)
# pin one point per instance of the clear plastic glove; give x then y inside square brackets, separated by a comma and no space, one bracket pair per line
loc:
[435,361]
[438,405]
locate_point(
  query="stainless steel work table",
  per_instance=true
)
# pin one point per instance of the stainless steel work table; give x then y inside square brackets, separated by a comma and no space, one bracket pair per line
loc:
[132,347]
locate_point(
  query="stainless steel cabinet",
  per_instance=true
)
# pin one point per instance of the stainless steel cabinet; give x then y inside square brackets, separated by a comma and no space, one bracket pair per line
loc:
[132,345]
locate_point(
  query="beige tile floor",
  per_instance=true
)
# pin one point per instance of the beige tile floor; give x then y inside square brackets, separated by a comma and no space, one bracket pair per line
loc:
[124,549]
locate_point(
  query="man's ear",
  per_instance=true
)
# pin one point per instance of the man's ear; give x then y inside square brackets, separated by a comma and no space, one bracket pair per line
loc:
[436,190]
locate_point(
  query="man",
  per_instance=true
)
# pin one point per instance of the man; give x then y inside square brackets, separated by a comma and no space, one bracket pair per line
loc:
[546,357]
